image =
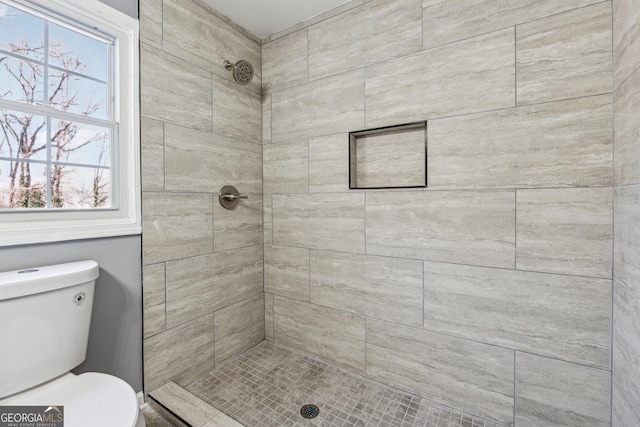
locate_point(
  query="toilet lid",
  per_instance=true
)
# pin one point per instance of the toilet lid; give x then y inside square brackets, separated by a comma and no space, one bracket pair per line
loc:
[89,399]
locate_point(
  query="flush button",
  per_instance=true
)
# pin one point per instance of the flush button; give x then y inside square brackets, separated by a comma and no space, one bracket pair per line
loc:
[79,298]
[30,270]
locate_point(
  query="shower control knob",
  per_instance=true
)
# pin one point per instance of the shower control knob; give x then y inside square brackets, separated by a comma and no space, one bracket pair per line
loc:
[229,196]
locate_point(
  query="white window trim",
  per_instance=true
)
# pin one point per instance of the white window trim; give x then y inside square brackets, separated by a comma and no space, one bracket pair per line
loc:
[19,228]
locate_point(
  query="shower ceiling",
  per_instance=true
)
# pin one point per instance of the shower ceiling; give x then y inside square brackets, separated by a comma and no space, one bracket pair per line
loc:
[265,17]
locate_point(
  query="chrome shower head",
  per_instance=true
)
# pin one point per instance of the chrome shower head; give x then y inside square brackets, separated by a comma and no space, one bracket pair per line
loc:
[242,71]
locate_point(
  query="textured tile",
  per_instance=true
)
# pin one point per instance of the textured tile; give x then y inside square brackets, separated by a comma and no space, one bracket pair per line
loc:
[179,354]
[174,91]
[462,227]
[565,230]
[274,382]
[176,226]
[286,167]
[209,41]
[266,117]
[626,236]
[186,405]
[323,107]
[554,393]
[564,56]
[204,162]
[384,288]
[449,21]
[268,317]
[239,227]
[626,39]
[152,142]
[328,167]
[284,61]
[391,159]
[564,317]
[153,297]
[151,22]
[201,285]
[321,221]
[286,271]
[559,144]
[626,153]
[237,111]
[267,215]
[329,335]
[349,40]
[626,364]
[239,327]
[474,377]
[465,77]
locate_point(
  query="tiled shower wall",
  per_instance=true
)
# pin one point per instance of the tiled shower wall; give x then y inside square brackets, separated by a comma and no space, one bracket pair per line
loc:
[202,264]
[491,290]
[626,314]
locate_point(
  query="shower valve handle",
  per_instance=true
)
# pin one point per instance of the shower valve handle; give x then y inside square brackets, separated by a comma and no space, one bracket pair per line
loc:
[229,197]
[234,197]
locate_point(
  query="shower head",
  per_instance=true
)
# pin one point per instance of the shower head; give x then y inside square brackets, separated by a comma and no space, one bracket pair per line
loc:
[242,71]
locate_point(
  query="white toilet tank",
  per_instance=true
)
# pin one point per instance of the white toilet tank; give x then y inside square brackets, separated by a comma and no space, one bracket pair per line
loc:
[45,314]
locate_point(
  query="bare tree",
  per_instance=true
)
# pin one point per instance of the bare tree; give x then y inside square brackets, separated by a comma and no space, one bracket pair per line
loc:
[20,131]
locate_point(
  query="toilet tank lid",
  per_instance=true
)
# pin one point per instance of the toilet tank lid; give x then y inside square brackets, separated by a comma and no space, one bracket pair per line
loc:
[29,281]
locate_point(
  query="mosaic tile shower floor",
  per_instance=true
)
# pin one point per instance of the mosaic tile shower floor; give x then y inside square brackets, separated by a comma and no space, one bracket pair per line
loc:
[267,386]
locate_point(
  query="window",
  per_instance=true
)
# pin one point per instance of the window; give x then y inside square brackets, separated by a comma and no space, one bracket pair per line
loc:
[69,127]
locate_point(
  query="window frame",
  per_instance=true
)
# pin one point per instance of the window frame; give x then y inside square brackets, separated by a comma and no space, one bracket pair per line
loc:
[124,218]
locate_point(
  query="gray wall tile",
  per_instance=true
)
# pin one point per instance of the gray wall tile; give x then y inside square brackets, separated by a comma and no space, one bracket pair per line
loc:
[321,221]
[239,327]
[626,236]
[266,117]
[194,34]
[448,21]
[267,215]
[462,227]
[558,144]
[565,230]
[626,39]
[152,153]
[384,288]
[239,227]
[201,285]
[626,364]
[511,309]
[329,164]
[474,377]
[237,111]
[286,167]
[349,40]
[322,107]
[185,405]
[473,75]
[151,22]
[332,336]
[180,354]
[268,317]
[196,162]
[564,56]
[153,298]
[286,271]
[284,61]
[176,226]
[551,393]
[626,104]
[173,90]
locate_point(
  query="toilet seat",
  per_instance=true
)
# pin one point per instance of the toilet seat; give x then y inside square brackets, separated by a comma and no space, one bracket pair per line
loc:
[92,398]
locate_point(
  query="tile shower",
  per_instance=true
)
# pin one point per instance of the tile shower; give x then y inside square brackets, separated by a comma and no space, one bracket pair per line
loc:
[490,292]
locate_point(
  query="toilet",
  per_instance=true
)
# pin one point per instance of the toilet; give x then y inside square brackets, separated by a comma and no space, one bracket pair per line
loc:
[45,314]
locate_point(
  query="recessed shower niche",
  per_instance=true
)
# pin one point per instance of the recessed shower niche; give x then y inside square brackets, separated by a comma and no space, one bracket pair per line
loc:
[389,157]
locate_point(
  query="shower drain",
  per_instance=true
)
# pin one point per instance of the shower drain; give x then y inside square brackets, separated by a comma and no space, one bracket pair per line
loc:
[309,411]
